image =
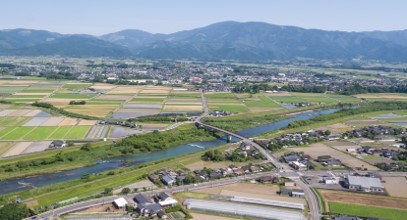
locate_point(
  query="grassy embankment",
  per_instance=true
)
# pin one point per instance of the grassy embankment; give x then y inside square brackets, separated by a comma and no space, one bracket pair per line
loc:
[366,211]
[69,158]
[93,185]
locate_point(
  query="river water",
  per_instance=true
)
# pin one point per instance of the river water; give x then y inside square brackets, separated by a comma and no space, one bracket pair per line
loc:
[19,184]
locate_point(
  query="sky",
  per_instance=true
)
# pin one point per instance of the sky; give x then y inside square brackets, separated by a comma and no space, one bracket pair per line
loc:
[99,17]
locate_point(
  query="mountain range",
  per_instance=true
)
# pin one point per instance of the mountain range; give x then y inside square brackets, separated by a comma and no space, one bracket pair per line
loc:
[249,41]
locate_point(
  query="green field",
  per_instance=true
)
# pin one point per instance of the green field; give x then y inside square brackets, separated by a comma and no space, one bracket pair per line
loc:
[60,132]
[185,95]
[73,86]
[230,108]
[26,97]
[77,132]
[73,96]
[288,99]
[220,95]
[367,211]
[13,121]
[6,130]
[40,133]
[17,134]
[262,102]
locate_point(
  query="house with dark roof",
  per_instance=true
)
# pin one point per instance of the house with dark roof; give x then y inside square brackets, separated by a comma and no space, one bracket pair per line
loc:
[167,180]
[148,209]
[141,199]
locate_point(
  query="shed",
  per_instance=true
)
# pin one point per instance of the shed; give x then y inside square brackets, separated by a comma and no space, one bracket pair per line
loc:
[120,202]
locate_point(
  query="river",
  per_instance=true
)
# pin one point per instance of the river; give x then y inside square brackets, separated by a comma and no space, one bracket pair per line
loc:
[20,184]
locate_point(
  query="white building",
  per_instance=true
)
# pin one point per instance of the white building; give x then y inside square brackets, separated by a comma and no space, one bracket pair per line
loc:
[364,184]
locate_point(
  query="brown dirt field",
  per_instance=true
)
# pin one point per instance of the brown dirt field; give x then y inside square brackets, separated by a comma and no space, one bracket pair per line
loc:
[94,110]
[68,121]
[20,112]
[253,190]
[278,94]
[5,146]
[370,200]
[28,93]
[141,110]
[342,145]
[396,186]
[17,149]
[31,203]
[318,149]
[199,216]
[182,108]
[264,109]
[363,122]
[157,88]
[3,106]
[53,121]
[7,112]
[154,126]
[87,122]
[156,91]
[103,86]
[33,113]
[114,97]
[366,96]
[392,96]
[101,208]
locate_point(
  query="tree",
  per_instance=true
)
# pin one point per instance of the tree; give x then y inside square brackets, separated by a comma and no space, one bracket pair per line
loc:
[108,191]
[125,191]
[14,211]
[86,147]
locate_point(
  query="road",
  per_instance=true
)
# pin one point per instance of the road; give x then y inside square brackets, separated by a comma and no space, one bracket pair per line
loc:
[106,200]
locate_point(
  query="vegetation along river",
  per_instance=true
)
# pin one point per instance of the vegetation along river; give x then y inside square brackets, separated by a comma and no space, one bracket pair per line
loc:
[19,184]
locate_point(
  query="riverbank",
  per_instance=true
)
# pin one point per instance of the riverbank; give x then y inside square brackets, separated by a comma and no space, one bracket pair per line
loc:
[77,157]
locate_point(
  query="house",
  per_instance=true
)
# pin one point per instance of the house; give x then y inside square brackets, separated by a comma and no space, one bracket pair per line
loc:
[140,198]
[297,193]
[332,162]
[291,158]
[57,144]
[167,180]
[288,183]
[120,203]
[153,178]
[255,168]
[148,209]
[364,184]
[284,191]
[238,171]
[330,180]
[268,179]
[166,200]
[215,175]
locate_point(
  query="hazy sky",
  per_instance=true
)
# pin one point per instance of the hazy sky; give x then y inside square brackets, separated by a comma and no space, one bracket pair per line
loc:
[167,16]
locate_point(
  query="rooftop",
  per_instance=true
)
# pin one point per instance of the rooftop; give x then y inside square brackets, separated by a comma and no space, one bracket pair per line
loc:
[366,182]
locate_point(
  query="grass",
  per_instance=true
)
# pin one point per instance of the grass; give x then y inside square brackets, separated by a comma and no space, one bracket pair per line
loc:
[77,132]
[6,131]
[185,95]
[40,133]
[18,133]
[73,96]
[60,132]
[367,211]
